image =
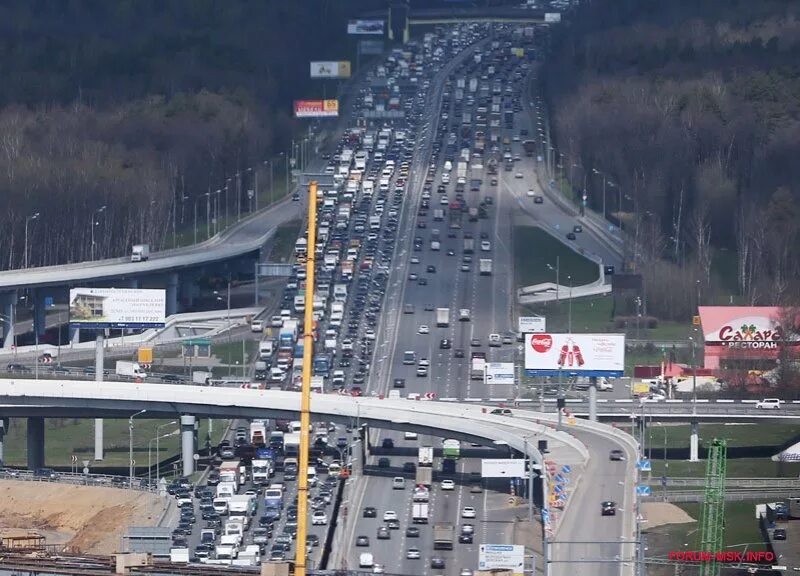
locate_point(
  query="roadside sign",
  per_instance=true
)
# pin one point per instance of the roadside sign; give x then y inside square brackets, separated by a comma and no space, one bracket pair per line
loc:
[644,465]
[642,490]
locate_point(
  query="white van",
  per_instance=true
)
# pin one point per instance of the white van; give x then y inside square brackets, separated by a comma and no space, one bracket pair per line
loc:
[365,560]
[312,476]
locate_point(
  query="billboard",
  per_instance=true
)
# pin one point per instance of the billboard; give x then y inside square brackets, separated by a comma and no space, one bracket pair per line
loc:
[752,327]
[116,308]
[501,557]
[502,468]
[552,17]
[500,373]
[528,324]
[372,27]
[316,108]
[330,69]
[575,354]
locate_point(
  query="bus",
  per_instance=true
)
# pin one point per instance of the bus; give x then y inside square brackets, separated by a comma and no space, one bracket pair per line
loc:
[451,448]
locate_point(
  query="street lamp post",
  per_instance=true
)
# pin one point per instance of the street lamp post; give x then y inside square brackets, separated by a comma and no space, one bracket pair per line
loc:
[596,171]
[149,454]
[27,220]
[569,317]
[130,445]
[694,379]
[94,223]
[158,451]
[557,270]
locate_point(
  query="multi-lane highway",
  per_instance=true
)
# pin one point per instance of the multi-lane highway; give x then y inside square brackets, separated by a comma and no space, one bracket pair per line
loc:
[424,279]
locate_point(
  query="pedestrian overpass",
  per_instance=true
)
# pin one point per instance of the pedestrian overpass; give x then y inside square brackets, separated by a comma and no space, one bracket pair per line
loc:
[401,16]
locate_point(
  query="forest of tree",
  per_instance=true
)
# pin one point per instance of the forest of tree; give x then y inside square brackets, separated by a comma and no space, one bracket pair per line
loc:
[133,104]
[692,110]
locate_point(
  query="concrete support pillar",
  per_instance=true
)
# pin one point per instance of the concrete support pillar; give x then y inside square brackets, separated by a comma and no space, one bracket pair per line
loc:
[172,294]
[35,443]
[39,312]
[74,334]
[593,402]
[187,444]
[188,293]
[99,361]
[8,311]
[3,430]
[694,435]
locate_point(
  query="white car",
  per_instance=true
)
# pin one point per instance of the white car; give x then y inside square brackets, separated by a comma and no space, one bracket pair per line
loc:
[769,403]
[319,518]
[495,340]
[378,569]
[389,515]
[413,554]
[414,260]
[370,334]
[531,193]
[486,246]
[448,485]
[256,326]
[423,329]
[518,175]
[409,435]
[468,512]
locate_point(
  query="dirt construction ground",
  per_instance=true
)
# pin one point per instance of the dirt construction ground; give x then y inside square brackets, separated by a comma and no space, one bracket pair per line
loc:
[87,518]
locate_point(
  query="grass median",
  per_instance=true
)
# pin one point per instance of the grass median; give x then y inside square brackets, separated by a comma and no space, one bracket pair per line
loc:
[535,249]
[67,437]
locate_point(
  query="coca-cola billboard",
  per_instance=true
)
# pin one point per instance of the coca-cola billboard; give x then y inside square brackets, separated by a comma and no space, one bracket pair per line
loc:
[575,354]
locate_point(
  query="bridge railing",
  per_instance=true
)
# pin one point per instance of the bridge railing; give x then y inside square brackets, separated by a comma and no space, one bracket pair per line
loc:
[78,479]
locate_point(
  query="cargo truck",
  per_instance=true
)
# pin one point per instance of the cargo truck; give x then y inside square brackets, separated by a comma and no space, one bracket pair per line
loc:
[140,252]
[229,472]
[530,147]
[451,448]
[469,246]
[419,513]
[424,476]
[261,471]
[438,215]
[130,369]
[477,366]
[485,266]
[425,456]
[258,432]
[201,377]
[442,317]
[443,536]
[473,214]
[291,444]
[261,370]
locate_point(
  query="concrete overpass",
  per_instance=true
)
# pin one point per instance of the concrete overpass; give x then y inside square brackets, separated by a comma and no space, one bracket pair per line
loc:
[238,247]
[109,399]
[401,15]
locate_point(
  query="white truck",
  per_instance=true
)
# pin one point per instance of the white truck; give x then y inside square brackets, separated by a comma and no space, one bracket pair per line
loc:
[179,555]
[201,377]
[130,369]
[485,266]
[250,556]
[419,513]
[442,317]
[140,252]
[241,505]
[226,552]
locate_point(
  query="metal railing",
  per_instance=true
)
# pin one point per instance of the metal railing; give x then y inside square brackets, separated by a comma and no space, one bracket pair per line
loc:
[743,483]
[77,479]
